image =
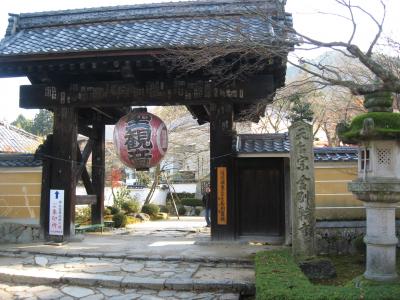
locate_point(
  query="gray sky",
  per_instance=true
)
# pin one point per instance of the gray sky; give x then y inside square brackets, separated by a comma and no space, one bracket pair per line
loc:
[307,20]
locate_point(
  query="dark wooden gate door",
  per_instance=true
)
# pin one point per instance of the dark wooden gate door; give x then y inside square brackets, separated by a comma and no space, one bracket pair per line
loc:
[261,198]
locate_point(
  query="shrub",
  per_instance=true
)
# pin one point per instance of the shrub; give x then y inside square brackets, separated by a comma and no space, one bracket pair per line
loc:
[120,220]
[179,196]
[131,206]
[151,209]
[122,195]
[114,210]
[164,209]
[181,210]
[82,215]
[191,202]
[197,211]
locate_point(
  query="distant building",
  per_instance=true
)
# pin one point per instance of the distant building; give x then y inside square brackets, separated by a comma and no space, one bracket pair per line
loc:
[16,140]
[20,184]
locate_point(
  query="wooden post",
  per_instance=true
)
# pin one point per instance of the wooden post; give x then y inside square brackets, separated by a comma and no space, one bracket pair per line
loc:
[43,152]
[221,172]
[98,169]
[64,156]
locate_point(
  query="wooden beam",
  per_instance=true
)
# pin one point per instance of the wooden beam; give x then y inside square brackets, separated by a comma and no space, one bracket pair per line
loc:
[189,91]
[83,158]
[85,130]
[86,199]
[98,173]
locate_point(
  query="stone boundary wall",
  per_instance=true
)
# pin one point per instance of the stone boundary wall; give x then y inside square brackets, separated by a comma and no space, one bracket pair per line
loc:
[339,237]
[19,233]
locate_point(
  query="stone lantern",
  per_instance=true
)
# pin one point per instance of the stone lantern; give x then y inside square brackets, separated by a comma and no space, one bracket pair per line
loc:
[378,184]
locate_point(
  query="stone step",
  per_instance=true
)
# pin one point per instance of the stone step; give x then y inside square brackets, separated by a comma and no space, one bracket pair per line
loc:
[35,276]
[177,258]
[12,291]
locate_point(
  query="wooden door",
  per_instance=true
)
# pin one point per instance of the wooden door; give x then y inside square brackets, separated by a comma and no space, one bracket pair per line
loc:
[261,198]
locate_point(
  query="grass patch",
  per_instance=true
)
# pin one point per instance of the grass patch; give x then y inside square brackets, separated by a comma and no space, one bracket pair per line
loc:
[279,277]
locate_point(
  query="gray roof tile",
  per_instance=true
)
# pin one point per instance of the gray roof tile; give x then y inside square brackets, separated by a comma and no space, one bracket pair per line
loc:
[16,140]
[137,27]
[280,143]
[18,160]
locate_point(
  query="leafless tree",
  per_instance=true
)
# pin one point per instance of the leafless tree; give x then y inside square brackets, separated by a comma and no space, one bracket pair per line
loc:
[241,52]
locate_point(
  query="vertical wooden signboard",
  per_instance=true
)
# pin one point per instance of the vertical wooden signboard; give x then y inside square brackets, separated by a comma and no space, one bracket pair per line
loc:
[56,225]
[222,196]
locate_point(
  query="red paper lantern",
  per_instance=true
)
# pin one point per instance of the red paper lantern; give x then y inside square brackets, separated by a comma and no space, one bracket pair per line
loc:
[140,139]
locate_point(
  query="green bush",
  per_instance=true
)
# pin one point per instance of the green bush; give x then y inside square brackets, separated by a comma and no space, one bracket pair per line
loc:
[181,210]
[191,202]
[114,210]
[197,211]
[122,195]
[83,215]
[120,220]
[151,209]
[164,209]
[279,277]
[178,197]
[131,206]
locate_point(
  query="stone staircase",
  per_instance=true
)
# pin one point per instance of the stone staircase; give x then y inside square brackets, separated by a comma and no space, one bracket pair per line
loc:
[82,276]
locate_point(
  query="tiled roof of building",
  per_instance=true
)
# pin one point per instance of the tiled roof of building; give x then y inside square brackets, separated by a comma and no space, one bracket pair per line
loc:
[151,26]
[263,143]
[16,140]
[13,160]
[280,143]
[335,154]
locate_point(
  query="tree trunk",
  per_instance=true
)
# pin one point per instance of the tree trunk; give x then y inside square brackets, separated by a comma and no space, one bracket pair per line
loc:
[154,185]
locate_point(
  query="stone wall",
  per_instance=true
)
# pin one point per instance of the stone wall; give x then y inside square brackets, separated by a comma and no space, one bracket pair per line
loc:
[339,237]
[19,233]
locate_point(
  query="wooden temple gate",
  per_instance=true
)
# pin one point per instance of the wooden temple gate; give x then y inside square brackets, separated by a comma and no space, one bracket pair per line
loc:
[90,66]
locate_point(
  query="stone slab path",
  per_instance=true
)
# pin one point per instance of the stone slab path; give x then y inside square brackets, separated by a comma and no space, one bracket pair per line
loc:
[155,260]
[70,292]
[26,276]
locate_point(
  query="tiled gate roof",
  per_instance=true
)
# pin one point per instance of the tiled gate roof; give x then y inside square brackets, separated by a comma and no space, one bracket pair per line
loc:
[280,143]
[152,26]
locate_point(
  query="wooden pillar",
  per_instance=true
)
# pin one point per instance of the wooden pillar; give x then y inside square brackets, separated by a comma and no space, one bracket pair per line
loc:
[43,153]
[64,156]
[221,172]
[98,170]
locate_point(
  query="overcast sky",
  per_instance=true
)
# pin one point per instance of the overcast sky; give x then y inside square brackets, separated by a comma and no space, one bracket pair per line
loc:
[307,20]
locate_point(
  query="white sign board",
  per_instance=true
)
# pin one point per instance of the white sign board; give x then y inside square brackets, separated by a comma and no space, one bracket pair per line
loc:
[56,222]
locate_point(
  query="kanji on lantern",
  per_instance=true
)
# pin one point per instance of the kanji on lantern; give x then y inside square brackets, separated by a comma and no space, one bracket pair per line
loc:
[140,139]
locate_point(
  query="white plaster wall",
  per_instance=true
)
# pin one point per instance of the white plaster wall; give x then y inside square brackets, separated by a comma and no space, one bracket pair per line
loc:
[159,196]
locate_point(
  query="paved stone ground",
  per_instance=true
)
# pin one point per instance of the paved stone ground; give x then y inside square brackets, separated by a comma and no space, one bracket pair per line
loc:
[70,292]
[155,260]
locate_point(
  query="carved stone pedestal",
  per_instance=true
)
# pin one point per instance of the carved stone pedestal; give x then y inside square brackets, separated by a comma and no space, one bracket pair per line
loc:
[380,197]
[381,241]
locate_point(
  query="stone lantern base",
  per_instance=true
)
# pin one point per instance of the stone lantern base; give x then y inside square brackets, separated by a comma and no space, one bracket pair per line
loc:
[381,241]
[380,197]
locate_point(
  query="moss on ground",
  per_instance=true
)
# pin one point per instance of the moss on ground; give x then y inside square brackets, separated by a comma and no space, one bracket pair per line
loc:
[279,277]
